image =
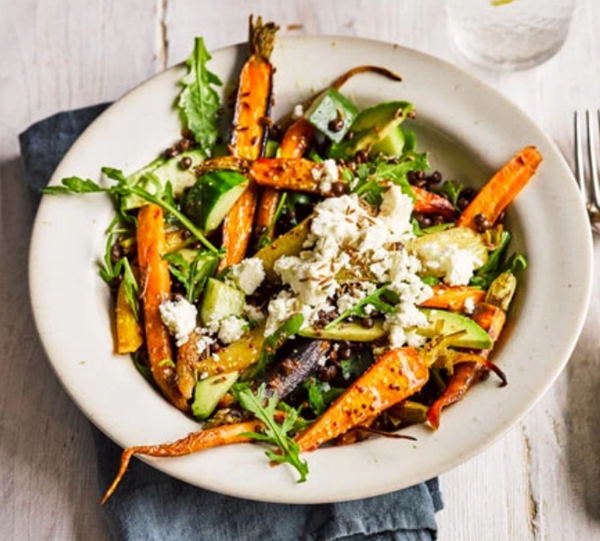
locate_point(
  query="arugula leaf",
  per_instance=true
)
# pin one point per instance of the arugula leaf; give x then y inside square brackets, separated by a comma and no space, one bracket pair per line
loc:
[514,264]
[358,309]
[357,364]
[132,288]
[438,228]
[372,176]
[198,101]
[430,280]
[417,231]
[123,189]
[275,433]
[490,271]
[74,185]
[452,189]
[272,343]
[321,395]
[192,275]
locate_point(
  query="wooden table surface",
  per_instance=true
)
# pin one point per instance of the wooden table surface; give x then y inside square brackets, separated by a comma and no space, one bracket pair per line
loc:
[540,482]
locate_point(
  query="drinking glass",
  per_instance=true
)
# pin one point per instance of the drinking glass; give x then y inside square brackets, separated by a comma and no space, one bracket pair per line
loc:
[509,34]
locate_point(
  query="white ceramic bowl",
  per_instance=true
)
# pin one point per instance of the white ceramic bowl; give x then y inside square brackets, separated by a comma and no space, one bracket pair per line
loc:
[470,129]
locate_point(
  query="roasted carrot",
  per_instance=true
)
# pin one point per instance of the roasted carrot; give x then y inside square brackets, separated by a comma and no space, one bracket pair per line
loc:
[501,189]
[249,135]
[453,298]
[156,287]
[295,142]
[193,443]
[129,332]
[492,319]
[299,174]
[430,203]
[395,376]
[187,357]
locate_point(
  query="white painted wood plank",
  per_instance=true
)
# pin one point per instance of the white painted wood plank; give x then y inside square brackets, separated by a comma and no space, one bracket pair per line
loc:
[56,55]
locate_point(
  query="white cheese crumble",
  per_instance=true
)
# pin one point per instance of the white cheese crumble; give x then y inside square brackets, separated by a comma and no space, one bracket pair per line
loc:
[298,111]
[254,314]
[346,236]
[180,318]
[326,175]
[469,305]
[247,275]
[204,342]
[231,328]
[456,265]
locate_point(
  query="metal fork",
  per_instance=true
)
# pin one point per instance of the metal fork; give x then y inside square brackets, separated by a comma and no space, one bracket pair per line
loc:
[591,201]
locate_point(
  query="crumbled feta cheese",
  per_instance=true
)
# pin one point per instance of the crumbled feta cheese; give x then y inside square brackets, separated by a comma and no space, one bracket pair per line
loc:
[395,210]
[231,329]
[247,275]
[298,111]
[456,265]
[469,305]
[180,318]
[253,313]
[284,306]
[330,171]
[203,375]
[203,343]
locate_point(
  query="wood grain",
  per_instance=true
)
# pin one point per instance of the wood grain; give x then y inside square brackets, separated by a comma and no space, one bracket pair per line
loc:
[538,483]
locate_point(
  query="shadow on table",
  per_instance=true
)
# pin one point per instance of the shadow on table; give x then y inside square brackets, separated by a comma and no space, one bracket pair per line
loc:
[46,448]
[583,410]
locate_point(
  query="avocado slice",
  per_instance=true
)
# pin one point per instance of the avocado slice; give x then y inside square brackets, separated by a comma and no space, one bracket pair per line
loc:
[372,128]
[220,300]
[159,172]
[209,391]
[473,336]
[351,332]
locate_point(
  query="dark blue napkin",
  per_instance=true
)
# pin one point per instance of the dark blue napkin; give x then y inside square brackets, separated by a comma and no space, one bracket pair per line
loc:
[150,505]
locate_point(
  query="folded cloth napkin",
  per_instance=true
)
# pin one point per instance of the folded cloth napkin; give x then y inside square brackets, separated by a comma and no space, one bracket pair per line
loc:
[150,505]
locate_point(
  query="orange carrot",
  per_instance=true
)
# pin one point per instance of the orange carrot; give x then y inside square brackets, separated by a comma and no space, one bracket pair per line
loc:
[430,203]
[395,376]
[156,287]
[249,136]
[502,188]
[193,443]
[453,298]
[295,142]
[298,174]
[492,319]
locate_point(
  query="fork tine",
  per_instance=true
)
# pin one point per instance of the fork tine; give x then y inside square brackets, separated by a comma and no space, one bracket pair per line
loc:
[592,154]
[579,167]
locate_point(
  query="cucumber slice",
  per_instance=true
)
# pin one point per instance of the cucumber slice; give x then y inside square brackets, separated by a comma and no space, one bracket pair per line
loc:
[212,197]
[159,172]
[220,300]
[331,106]
[474,336]
[351,332]
[209,391]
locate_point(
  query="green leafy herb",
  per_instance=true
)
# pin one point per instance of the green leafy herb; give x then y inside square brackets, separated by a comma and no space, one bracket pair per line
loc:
[314,156]
[417,231]
[356,365]
[430,280]
[123,189]
[293,206]
[275,433]
[358,310]
[192,274]
[199,102]
[74,185]
[321,395]
[452,189]
[301,424]
[272,343]
[497,264]
[372,178]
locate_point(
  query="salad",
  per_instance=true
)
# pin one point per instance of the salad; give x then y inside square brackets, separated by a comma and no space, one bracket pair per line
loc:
[305,281]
